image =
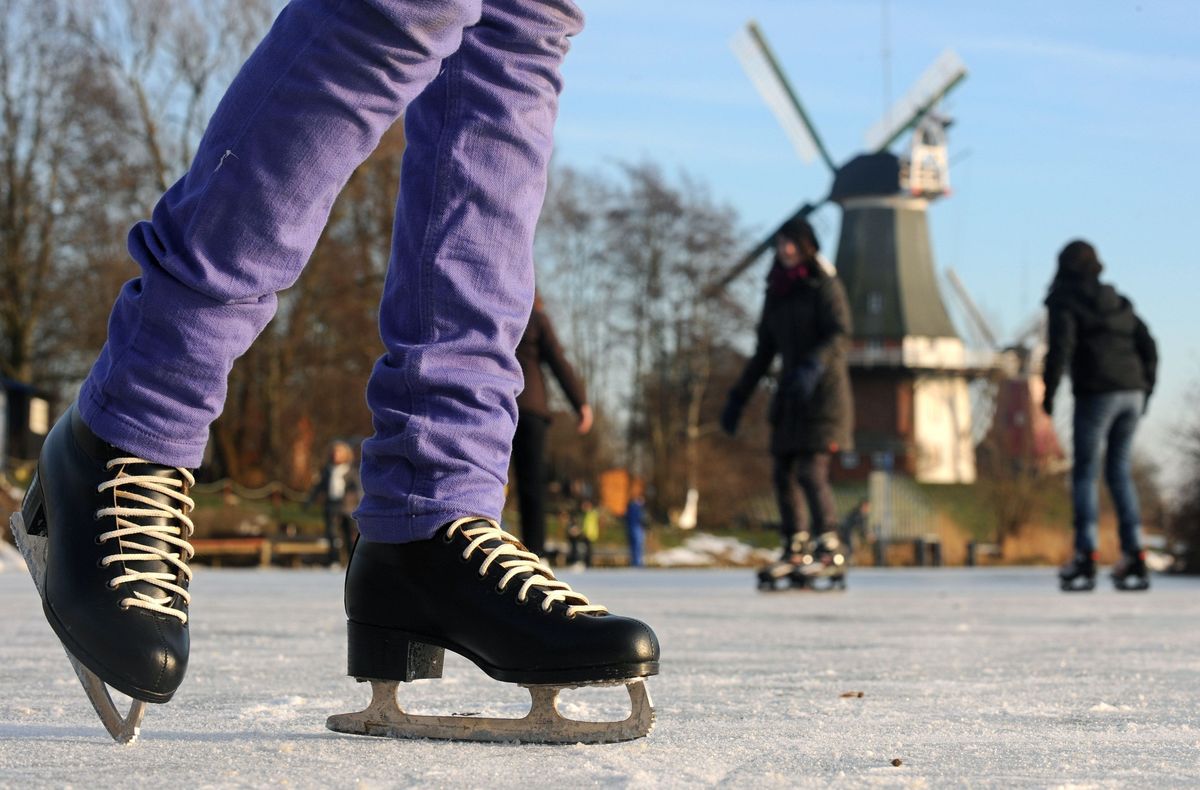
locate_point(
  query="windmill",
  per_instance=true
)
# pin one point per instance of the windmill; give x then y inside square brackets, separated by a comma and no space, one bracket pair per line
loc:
[909,366]
[1009,420]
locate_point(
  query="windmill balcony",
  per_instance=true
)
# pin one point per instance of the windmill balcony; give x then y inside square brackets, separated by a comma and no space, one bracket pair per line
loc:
[930,354]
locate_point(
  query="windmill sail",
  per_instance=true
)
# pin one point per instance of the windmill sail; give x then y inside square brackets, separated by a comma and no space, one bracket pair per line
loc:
[756,58]
[938,80]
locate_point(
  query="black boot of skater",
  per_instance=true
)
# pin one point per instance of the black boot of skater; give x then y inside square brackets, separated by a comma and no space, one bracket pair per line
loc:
[475,590]
[1078,575]
[1130,573]
[107,534]
[825,568]
[784,572]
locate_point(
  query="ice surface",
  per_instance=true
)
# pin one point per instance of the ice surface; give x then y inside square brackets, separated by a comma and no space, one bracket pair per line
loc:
[983,678]
[10,558]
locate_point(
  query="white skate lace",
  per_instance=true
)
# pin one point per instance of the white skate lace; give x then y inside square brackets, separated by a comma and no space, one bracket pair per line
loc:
[511,556]
[127,533]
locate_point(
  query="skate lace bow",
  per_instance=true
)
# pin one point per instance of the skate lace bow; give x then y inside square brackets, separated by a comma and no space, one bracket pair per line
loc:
[129,504]
[519,563]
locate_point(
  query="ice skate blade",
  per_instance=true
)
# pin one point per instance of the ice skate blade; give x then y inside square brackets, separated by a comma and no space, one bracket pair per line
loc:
[1071,587]
[1140,586]
[543,724]
[809,584]
[123,729]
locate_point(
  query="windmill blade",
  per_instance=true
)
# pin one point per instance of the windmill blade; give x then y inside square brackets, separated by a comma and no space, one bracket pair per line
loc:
[938,80]
[763,69]
[747,260]
[974,314]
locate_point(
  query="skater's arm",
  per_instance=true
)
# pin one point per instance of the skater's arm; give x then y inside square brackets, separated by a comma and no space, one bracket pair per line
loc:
[1061,336]
[757,366]
[834,321]
[319,488]
[552,354]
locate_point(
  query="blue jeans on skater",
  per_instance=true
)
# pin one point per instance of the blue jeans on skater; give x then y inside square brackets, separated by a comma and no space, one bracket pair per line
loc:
[1105,424]
[477,82]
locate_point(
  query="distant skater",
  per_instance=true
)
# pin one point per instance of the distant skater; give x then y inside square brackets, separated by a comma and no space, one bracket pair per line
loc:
[635,530]
[1113,363]
[806,321]
[539,347]
[338,489]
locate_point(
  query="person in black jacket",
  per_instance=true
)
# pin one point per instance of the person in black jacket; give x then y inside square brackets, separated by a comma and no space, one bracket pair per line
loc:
[539,345]
[1095,335]
[338,487]
[806,321]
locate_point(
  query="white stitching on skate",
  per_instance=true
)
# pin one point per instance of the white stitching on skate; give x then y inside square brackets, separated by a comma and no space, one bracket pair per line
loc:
[168,533]
[513,557]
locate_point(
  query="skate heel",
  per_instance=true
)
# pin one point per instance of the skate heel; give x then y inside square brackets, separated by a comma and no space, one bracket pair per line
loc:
[383,654]
[33,509]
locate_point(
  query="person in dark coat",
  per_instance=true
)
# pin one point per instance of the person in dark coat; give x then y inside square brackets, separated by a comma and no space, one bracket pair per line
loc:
[539,346]
[806,321]
[1095,335]
[338,488]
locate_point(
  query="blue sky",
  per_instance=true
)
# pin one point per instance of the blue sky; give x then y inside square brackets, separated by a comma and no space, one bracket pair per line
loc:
[1078,119]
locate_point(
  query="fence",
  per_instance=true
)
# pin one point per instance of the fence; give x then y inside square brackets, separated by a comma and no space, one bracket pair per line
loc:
[901,513]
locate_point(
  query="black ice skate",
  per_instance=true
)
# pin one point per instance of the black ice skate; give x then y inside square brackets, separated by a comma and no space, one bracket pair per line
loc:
[825,568]
[105,537]
[784,573]
[1078,575]
[475,590]
[1130,573]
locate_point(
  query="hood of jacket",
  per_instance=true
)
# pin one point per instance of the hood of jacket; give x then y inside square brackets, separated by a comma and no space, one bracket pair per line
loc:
[1095,303]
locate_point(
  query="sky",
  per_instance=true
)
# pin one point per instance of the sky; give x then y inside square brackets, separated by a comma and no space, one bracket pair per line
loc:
[1077,120]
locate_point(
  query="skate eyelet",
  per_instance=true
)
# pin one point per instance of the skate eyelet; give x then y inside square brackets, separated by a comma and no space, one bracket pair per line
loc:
[109,584]
[499,590]
[99,541]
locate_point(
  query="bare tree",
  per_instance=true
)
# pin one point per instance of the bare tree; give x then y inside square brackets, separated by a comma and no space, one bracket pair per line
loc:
[171,59]
[61,178]
[631,258]
[1184,516]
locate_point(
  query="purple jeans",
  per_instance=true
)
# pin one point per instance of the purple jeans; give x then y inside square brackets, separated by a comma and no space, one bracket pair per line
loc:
[477,82]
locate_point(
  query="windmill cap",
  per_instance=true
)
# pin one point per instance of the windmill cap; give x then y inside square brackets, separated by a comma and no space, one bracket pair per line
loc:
[1079,257]
[867,175]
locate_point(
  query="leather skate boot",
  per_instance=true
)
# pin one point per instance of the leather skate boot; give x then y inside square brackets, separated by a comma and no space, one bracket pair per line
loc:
[825,564]
[1078,575]
[475,590]
[110,531]
[1130,574]
[786,569]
